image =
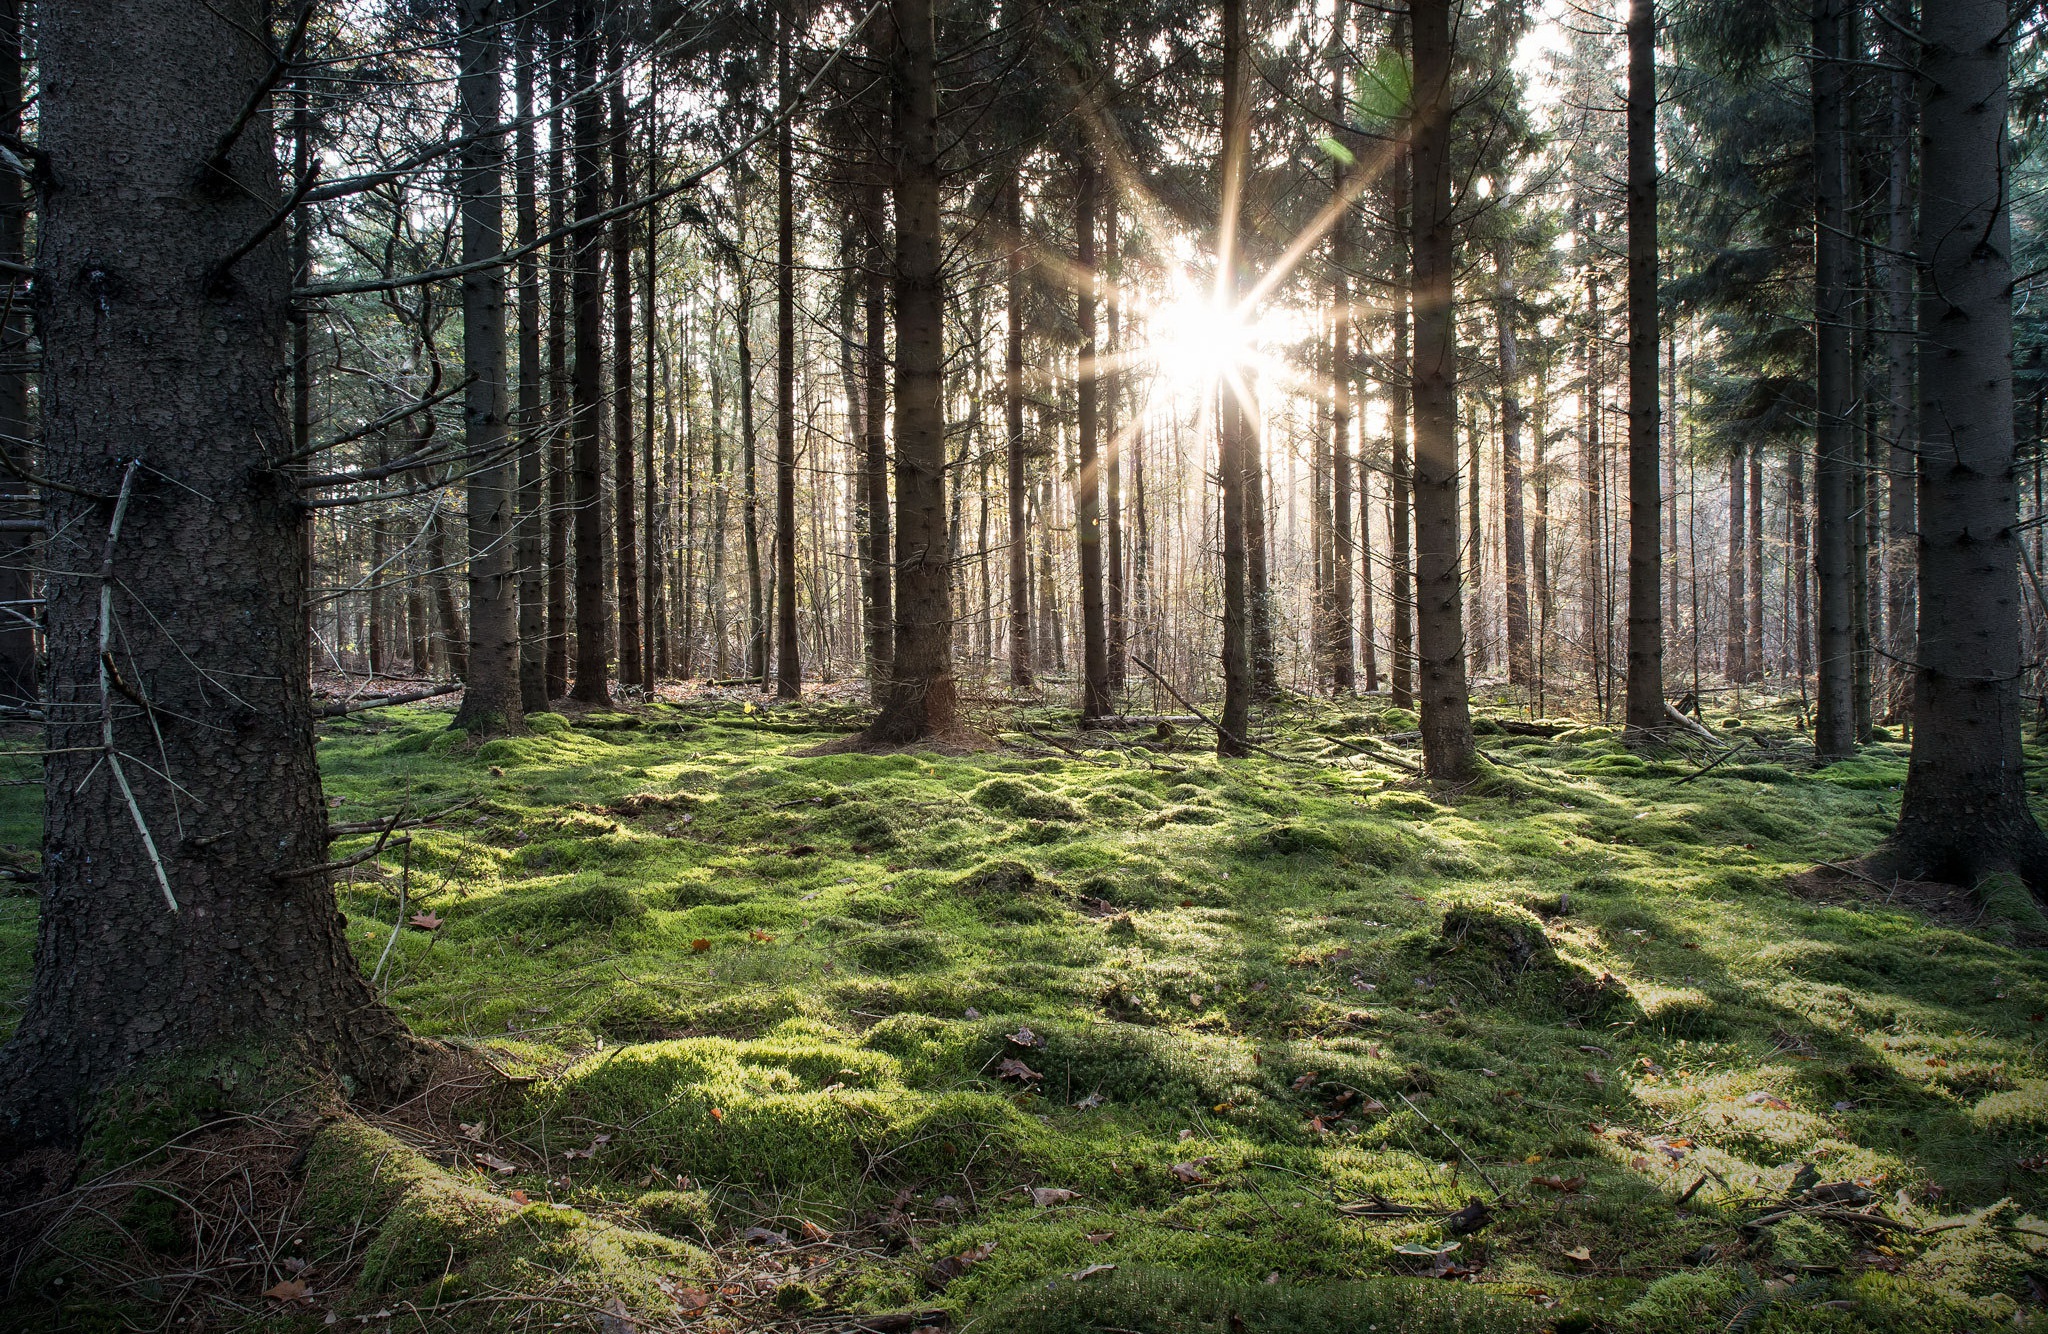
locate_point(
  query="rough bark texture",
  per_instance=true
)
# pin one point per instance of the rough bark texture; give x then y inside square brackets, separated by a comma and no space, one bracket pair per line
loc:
[162,372]
[1901,609]
[626,562]
[1343,653]
[922,694]
[1645,698]
[1964,815]
[560,396]
[593,666]
[1735,643]
[17,639]
[789,677]
[1095,701]
[1834,732]
[1400,498]
[491,700]
[532,427]
[1447,747]
[881,616]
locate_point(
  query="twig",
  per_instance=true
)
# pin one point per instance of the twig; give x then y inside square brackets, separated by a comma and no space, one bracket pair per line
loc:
[335,831]
[1498,1193]
[398,922]
[1221,730]
[1690,1191]
[385,701]
[1711,765]
[112,753]
[383,837]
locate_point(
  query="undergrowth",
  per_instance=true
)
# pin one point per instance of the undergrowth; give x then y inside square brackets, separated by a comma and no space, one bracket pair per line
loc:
[1232,1043]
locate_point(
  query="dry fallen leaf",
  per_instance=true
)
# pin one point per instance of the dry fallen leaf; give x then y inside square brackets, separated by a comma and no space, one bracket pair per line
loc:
[812,1232]
[497,1164]
[1089,1103]
[717,1115]
[519,1197]
[1304,1081]
[1012,1068]
[1024,1037]
[291,1290]
[1047,1196]
[1098,1237]
[700,945]
[425,921]
[1091,1269]
[1593,1077]
[691,1299]
[953,1266]
[1191,1171]
[1562,1185]
[1580,1254]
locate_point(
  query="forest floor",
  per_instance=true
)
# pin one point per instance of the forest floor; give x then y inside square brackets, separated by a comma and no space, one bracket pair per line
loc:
[1115,1037]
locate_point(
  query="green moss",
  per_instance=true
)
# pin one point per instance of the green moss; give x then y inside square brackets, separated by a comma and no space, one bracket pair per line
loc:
[1149,1301]
[546,724]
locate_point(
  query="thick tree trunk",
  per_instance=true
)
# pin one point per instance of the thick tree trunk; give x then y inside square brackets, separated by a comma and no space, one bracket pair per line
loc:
[1234,452]
[1592,481]
[1448,754]
[789,677]
[1521,671]
[1754,658]
[1645,701]
[1834,734]
[654,610]
[922,695]
[625,494]
[531,426]
[1965,815]
[491,700]
[1113,435]
[1095,702]
[1013,422]
[593,661]
[17,556]
[188,571]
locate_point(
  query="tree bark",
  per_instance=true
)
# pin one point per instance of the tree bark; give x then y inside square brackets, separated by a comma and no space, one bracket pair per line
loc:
[1964,815]
[879,559]
[1734,646]
[1902,611]
[593,661]
[1013,421]
[491,702]
[1834,734]
[922,694]
[17,501]
[1234,454]
[1095,701]
[190,572]
[531,426]
[1342,646]
[1520,667]
[1448,754]
[788,665]
[1400,502]
[561,404]
[1644,713]
[625,493]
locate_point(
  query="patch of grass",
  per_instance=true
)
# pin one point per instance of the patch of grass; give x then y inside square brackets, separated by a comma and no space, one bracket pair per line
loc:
[887,995]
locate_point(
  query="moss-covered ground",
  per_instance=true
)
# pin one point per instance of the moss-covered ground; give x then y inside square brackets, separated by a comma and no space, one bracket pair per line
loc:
[1131,1039]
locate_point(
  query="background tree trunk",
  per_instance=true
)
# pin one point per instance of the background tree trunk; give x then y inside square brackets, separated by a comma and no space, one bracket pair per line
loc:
[922,694]
[1234,453]
[1964,815]
[1645,702]
[491,701]
[880,556]
[593,662]
[1447,748]
[204,582]
[789,676]
[1520,669]
[1095,702]
[1834,733]
[626,562]
[531,426]
[1013,421]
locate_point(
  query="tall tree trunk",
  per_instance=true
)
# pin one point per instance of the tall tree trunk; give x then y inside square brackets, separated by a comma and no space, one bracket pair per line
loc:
[531,426]
[1754,658]
[1520,668]
[593,659]
[789,676]
[1902,611]
[1964,816]
[1448,754]
[1400,502]
[1013,422]
[1095,702]
[625,496]
[1592,475]
[1795,501]
[17,638]
[561,396]
[1645,702]
[453,639]
[922,695]
[1734,647]
[1834,733]
[163,929]
[1113,433]
[750,492]
[1539,541]
[1343,650]
[654,619]
[1235,454]
[879,558]
[491,699]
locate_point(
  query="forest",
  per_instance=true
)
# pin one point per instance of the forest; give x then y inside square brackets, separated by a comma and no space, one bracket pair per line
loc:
[1159,667]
